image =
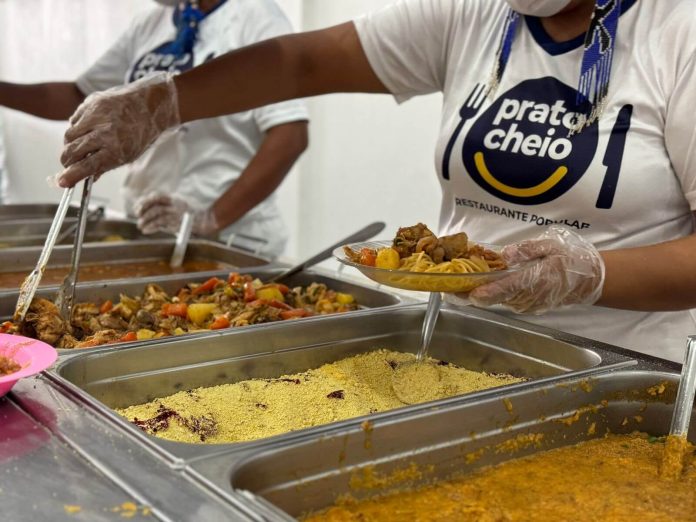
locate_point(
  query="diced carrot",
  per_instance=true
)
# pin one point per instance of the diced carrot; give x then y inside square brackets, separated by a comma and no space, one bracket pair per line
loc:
[177,309]
[128,337]
[368,257]
[249,292]
[283,288]
[106,306]
[234,277]
[294,313]
[220,322]
[208,286]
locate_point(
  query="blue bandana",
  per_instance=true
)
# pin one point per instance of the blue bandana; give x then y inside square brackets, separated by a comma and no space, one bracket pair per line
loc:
[595,70]
[187,18]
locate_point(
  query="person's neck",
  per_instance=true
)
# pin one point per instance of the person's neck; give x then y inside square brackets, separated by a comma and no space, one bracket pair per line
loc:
[207,5]
[571,22]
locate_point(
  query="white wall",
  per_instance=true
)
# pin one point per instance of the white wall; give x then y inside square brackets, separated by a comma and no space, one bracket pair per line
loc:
[369,159]
[52,40]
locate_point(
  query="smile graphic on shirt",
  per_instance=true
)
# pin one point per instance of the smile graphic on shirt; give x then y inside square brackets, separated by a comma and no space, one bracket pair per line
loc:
[520,150]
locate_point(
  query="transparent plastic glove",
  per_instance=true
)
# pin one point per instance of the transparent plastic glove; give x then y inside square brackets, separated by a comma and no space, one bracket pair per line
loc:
[566,270]
[161,213]
[114,127]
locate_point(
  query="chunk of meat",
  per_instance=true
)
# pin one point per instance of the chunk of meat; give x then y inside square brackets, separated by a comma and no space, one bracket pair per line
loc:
[43,322]
[455,245]
[408,237]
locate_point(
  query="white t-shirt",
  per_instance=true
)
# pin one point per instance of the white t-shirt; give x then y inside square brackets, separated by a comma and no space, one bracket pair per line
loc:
[513,169]
[203,158]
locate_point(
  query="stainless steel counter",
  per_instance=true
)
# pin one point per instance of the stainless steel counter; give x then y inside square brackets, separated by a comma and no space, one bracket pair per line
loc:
[59,438]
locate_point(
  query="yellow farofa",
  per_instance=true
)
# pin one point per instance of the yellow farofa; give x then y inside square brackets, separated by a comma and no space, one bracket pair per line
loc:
[259,408]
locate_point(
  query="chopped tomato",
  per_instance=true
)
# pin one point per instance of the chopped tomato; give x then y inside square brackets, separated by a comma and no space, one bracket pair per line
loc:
[220,322]
[106,307]
[279,304]
[258,302]
[6,326]
[177,309]
[128,337]
[208,286]
[294,313]
[368,257]
[249,292]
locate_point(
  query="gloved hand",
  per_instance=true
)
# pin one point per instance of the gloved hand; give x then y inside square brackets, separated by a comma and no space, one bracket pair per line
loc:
[158,212]
[114,127]
[565,269]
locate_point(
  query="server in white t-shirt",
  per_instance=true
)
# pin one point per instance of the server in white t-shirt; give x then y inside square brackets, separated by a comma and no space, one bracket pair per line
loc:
[224,169]
[571,120]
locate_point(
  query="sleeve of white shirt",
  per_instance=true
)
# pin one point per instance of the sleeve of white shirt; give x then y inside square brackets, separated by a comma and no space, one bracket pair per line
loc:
[680,130]
[407,44]
[266,20]
[111,69]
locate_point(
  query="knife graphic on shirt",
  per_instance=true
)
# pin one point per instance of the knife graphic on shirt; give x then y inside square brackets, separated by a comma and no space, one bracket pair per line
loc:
[614,156]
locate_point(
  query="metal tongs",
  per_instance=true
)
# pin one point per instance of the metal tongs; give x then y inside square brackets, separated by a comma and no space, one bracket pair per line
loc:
[31,283]
[66,294]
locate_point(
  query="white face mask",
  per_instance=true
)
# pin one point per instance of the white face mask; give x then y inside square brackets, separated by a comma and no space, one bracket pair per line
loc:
[168,3]
[538,7]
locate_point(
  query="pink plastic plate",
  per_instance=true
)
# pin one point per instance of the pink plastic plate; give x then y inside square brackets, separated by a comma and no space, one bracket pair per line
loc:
[32,355]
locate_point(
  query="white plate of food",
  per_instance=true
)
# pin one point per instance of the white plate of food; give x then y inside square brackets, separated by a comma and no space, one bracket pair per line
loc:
[418,260]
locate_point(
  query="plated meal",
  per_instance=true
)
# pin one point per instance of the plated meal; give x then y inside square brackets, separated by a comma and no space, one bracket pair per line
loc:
[215,304]
[611,478]
[416,259]
[348,388]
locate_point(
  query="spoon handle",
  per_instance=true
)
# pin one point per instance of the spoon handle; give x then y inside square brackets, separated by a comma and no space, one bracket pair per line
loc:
[431,315]
[685,394]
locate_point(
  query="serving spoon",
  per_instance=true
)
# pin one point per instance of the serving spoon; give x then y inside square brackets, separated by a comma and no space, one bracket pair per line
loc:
[676,444]
[363,234]
[416,381]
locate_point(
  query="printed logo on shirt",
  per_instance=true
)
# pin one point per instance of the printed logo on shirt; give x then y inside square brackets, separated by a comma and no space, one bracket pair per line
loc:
[160,59]
[520,149]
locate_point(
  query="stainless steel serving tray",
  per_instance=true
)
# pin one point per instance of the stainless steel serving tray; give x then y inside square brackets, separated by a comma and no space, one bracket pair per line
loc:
[98,292]
[24,259]
[33,233]
[106,379]
[309,473]
[33,211]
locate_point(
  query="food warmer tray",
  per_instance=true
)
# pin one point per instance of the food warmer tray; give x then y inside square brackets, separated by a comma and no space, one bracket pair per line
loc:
[367,297]
[310,472]
[105,379]
[17,260]
[33,212]
[33,233]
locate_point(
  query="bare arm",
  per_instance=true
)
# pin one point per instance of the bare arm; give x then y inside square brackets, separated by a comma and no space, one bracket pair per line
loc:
[275,157]
[657,277]
[293,66]
[53,101]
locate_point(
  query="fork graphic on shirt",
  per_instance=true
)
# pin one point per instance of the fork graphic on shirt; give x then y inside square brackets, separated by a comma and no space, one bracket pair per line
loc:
[469,109]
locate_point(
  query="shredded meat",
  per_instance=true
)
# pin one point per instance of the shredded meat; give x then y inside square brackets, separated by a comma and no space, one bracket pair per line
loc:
[43,322]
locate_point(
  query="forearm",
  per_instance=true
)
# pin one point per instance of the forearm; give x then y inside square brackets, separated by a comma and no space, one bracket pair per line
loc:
[265,172]
[53,101]
[657,277]
[288,67]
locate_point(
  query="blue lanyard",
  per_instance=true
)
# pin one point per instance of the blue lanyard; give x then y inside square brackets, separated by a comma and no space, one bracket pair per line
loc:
[187,17]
